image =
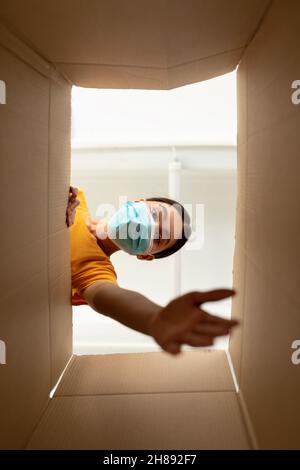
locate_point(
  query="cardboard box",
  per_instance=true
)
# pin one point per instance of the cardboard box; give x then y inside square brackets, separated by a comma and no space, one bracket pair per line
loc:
[147,400]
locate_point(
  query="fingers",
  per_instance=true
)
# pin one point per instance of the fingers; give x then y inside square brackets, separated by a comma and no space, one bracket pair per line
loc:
[71,209]
[73,195]
[70,218]
[213,319]
[195,339]
[191,339]
[212,329]
[73,191]
[199,298]
[72,204]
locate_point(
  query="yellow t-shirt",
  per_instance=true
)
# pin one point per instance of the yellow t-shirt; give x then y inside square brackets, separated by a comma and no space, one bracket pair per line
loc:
[89,263]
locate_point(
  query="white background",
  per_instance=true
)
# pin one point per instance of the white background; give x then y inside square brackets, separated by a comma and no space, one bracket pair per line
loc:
[123,141]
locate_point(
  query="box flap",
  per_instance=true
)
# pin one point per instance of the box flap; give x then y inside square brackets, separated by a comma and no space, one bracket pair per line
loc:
[58,234]
[24,319]
[267,274]
[195,420]
[147,373]
[35,321]
[144,401]
[137,44]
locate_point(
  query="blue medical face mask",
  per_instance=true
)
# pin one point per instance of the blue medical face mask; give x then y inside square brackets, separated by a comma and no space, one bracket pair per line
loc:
[131,228]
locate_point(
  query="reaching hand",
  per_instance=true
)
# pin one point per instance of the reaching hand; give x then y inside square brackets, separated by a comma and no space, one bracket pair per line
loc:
[183,321]
[72,204]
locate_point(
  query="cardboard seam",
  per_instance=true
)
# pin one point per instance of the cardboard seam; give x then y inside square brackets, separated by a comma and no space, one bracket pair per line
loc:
[238,373]
[69,364]
[43,411]
[245,229]
[54,280]
[13,43]
[48,232]
[242,405]
[166,69]
[247,421]
[51,282]
[232,371]
[257,27]
[261,91]
[168,392]
[18,48]
[23,60]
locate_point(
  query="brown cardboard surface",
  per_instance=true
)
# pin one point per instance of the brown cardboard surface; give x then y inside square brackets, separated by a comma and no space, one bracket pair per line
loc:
[270,383]
[25,378]
[269,250]
[12,43]
[154,372]
[239,262]
[60,325]
[136,44]
[29,265]
[106,76]
[195,420]
[237,312]
[59,237]
[24,318]
[143,401]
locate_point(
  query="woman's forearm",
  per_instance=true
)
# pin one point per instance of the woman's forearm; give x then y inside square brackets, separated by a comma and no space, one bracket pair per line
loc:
[127,307]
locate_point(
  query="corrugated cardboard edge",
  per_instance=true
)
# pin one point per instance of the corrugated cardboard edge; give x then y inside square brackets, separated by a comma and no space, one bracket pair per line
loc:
[26,54]
[151,78]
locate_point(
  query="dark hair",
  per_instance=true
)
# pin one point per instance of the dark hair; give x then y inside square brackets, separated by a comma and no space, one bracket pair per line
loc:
[186,227]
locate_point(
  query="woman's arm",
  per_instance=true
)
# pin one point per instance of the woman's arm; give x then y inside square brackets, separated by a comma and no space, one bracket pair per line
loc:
[182,321]
[128,307]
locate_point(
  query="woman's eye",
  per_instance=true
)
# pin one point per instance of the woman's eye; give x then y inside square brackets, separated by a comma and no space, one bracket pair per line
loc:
[154,214]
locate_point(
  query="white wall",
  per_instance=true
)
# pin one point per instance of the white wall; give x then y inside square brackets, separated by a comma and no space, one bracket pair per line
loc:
[208,177]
